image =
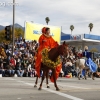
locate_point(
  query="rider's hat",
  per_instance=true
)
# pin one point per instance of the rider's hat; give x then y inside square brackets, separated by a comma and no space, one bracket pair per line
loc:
[43,29]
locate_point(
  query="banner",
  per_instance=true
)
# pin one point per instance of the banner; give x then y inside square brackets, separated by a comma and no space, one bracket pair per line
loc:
[33,31]
[76,37]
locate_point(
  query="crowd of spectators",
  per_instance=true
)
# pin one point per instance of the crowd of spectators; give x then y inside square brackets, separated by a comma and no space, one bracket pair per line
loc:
[22,62]
[69,63]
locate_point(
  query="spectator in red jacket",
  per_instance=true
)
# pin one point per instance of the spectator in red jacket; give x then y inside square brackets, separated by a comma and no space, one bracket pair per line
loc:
[13,61]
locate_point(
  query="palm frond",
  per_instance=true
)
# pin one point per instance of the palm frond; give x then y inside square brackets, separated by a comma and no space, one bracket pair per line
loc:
[72,27]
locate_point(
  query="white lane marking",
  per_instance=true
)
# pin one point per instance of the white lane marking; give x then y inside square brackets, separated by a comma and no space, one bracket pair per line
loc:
[18,98]
[21,81]
[62,94]
[70,86]
[9,79]
[58,93]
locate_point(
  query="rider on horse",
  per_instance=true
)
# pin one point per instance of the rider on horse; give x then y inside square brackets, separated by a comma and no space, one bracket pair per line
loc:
[86,53]
[45,41]
[89,63]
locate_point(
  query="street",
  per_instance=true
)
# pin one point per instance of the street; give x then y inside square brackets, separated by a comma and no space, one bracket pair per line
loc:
[70,89]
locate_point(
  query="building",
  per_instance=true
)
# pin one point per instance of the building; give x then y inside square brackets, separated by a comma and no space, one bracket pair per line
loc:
[80,40]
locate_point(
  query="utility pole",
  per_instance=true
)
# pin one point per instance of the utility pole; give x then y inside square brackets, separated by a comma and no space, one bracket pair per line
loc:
[13,28]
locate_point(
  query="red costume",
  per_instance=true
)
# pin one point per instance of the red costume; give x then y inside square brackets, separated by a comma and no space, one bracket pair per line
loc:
[48,42]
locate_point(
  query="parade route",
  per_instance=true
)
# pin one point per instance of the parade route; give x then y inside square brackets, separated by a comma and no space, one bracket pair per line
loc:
[71,89]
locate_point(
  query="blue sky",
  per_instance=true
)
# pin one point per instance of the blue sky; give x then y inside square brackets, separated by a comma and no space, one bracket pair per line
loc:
[61,13]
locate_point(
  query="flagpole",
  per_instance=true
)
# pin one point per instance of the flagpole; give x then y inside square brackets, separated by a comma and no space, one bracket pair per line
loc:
[13,32]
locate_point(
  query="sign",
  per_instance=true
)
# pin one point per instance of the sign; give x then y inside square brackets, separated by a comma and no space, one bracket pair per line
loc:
[76,37]
[33,31]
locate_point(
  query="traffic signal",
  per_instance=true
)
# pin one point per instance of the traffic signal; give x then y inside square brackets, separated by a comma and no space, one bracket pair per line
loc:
[8,32]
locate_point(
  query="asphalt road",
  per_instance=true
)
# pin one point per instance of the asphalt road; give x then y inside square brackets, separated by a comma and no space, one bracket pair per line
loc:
[71,89]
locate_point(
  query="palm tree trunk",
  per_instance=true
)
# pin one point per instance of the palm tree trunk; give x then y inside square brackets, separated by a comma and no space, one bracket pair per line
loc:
[71,33]
[90,30]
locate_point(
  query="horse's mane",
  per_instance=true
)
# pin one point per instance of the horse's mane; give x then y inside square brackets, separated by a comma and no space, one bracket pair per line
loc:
[54,53]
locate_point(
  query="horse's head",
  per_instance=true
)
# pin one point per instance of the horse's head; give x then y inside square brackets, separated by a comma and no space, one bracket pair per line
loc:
[64,49]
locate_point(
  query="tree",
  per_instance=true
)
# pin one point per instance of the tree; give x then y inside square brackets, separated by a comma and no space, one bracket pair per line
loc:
[94,50]
[47,20]
[71,28]
[18,32]
[2,36]
[90,27]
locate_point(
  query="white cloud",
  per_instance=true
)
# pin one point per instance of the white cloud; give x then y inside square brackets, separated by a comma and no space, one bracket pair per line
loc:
[61,12]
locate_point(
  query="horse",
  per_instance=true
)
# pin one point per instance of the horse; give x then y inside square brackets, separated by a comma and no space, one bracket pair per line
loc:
[53,55]
[80,64]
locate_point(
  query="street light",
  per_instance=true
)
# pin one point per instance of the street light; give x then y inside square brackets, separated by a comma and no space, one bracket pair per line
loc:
[13,32]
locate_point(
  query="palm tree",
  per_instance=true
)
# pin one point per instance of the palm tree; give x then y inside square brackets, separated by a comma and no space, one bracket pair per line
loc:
[47,20]
[90,26]
[71,28]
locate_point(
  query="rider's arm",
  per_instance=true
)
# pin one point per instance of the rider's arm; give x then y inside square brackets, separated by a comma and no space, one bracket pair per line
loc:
[53,43]
[41,40]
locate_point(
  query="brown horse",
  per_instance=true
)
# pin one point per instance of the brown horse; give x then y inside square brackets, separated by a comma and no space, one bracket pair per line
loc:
[53,55]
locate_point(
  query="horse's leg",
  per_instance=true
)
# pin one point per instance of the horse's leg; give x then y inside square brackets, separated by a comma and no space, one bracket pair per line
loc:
[79,74]
[54,76]
[36,82]
[93,75]
[89,74]
[42,79]
[47,76]
[85,75]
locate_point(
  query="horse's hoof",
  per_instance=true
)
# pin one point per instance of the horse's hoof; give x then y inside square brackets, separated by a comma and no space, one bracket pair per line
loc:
[39,88]
[85,78]
[93,79]
[57,89]
[78,78]
[48,86]
[35,86]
